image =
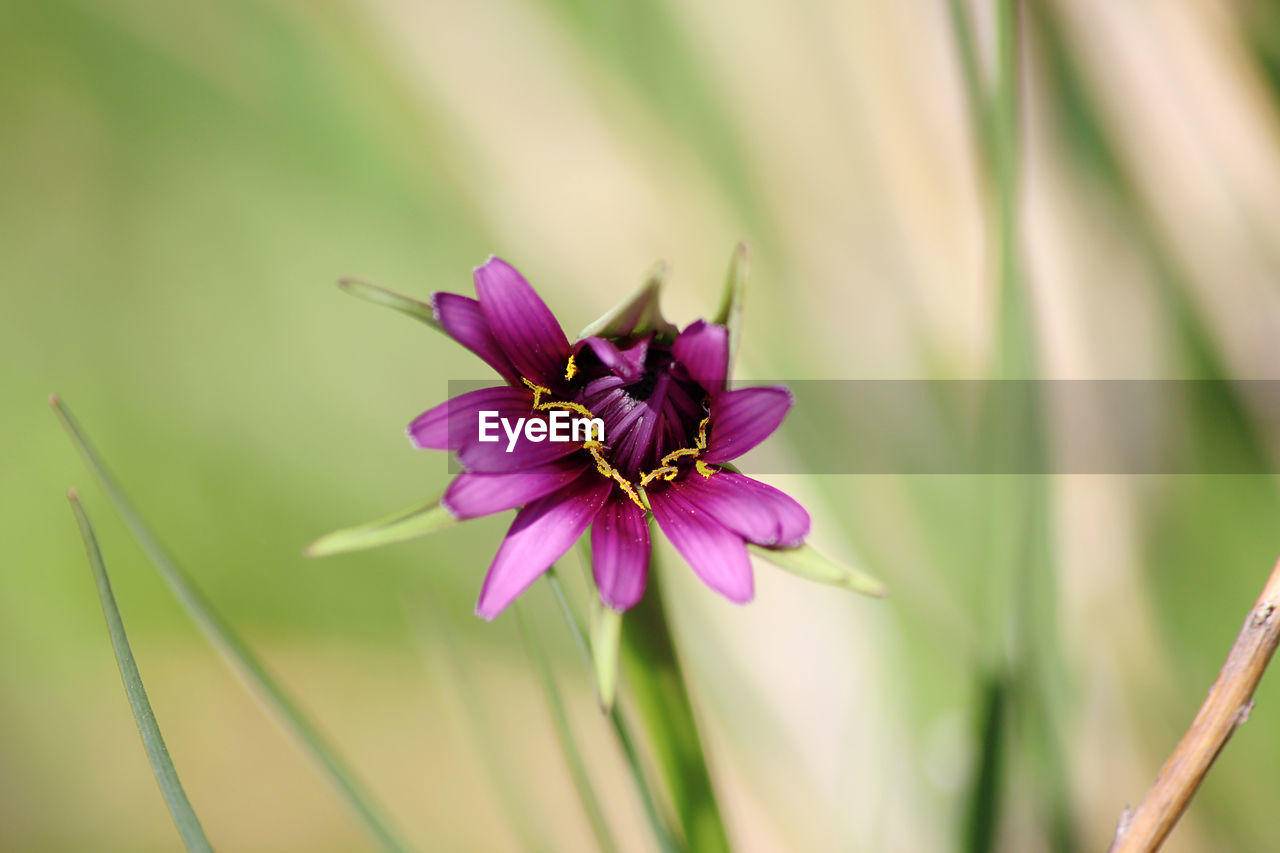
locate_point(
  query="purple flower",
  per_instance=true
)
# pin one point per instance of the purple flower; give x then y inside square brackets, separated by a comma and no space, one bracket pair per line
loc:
[670,427]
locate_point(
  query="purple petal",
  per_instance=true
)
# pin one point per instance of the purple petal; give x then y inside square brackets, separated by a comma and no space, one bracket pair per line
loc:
[703,349]
[475,495]
[454,422]
[714,552]
[628,363]
[492,457]
[463,321]
[523,326]
[620,552]
[742,419]
[756,511]
[541,533]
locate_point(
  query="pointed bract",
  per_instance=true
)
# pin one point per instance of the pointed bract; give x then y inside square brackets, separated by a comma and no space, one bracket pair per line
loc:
[729,314]
[638,314]
[808,563]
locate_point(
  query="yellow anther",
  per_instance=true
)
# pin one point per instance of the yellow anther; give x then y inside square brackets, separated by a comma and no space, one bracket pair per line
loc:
[571,369]
[701,443]
[567,406]
[671,474]
[704,469]
[656,473]
[537,389]
[602,465]
[629,489]
[676,454]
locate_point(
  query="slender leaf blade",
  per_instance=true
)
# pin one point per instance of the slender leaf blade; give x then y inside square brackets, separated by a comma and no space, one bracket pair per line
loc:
[184,816]
[622,730]
[235,650]
[397,527]
[564,733]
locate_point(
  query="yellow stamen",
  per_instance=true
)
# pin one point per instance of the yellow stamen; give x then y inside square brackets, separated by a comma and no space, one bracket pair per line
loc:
[701,443]
[704,469]
[538,391]
[629,489]
[656,473]
[566,405]
[571,369]
[676,454]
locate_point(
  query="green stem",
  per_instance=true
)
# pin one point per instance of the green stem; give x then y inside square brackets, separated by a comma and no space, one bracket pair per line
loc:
[620,727]
[573,757]
[656,681]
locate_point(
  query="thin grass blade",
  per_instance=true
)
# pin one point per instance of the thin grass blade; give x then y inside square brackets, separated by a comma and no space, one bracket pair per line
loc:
[235,651]
[397,527]
[184,816]
[564,733]
[648,798]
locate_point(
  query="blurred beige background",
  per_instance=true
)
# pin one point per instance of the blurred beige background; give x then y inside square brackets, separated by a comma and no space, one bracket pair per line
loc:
[183,182]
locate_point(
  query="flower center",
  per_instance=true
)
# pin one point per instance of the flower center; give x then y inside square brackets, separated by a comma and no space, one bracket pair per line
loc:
[655,418]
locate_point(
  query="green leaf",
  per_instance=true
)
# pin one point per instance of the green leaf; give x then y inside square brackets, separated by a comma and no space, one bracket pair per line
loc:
[564,732]
[379,295]
[729,313]
[639,313]
[606,630]
[808,563]
[655,679]
[235,651]
[397,527]
[184,817]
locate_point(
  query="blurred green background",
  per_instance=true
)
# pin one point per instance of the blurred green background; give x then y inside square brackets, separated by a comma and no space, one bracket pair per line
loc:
[182,182]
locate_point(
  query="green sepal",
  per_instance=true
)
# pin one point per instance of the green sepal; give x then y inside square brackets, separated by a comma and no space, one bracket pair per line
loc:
[379,295]
[808,563]
[606,633]
[638,314]
[729,314]
[397,527]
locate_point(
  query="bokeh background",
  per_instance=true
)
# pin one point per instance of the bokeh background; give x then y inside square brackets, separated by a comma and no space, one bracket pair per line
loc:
[181,183]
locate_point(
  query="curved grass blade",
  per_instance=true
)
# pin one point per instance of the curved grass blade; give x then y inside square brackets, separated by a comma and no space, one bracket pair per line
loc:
[379,295]
[572,755]
[808,563]
[397,527]
[656,681]
[184,817]
[235,651]
[662,834]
